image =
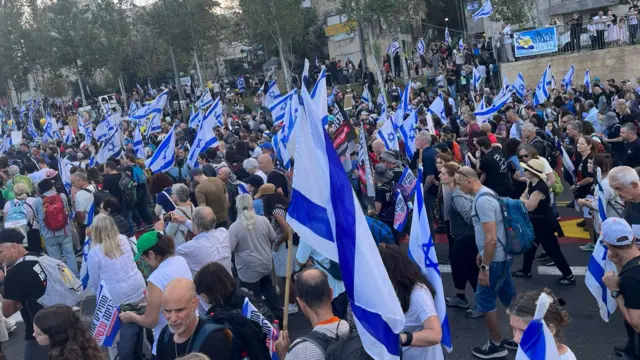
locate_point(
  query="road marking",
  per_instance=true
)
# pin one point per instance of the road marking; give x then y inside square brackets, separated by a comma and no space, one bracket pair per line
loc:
[552,270]
[445,268]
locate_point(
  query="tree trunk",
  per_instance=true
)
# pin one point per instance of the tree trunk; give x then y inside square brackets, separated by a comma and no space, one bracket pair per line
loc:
[176,79]
[283,63]
[403,62]
[195,56]
[376,69]
[84,100]
[124,94]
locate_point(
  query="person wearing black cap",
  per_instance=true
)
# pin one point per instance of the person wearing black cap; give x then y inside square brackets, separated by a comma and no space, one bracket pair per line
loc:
[24,283]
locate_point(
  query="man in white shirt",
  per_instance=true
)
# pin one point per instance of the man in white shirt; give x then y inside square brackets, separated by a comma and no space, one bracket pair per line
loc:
[39,175]
[84,200]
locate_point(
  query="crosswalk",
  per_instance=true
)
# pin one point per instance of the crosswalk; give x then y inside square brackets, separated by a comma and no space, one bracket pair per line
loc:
[542,270]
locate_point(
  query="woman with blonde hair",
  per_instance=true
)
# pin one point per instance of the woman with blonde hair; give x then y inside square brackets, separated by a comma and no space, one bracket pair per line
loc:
[111,262]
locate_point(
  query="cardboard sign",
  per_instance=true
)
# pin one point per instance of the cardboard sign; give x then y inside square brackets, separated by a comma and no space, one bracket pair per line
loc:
[106,323]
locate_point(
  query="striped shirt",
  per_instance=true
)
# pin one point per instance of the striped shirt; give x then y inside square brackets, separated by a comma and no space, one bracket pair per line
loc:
[302,349]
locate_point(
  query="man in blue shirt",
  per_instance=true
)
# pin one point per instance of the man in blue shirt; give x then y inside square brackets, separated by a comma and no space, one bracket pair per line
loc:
[592,116]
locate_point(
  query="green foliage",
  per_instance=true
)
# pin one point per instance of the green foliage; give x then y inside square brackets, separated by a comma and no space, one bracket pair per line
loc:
[515,12]
[55,86]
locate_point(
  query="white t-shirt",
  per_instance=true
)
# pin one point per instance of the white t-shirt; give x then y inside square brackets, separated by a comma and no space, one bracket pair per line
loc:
[84,200]
[262,175]
[38,176]
[421,308]
[482,70]
[172,268]
[216,87]
[569,355]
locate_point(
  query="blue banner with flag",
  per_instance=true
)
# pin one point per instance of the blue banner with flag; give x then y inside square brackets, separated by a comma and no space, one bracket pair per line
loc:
[536,41]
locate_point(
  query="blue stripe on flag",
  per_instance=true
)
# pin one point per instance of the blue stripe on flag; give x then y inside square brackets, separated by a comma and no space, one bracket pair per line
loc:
[314,216]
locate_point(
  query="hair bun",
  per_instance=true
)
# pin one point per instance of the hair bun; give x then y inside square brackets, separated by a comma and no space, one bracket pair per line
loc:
[561,302]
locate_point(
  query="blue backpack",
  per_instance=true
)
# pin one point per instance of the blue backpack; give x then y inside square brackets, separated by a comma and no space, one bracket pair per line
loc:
[517,224]
[17,217]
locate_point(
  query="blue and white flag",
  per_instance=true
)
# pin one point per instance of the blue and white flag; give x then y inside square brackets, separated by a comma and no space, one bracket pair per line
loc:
[140,91]
[401,213]
[381,100]
[460,44]
[567,80]
[476,79]
[151,113]
[467,162]
[204,140]
[422,250]
[133,107]
[542,90]
[138,145]
[519,87]
[421,47]
[553,82]
[106,322]
[537,342]
[393,48]
[68,137]
[272,93]
[240,83]
[587,81]
[251,312]
[447,36]
[103,130]
[242,189]
[505,84]
[205,100]
[164,157]
[213,116]
[599,264]
[152,92]
[195,118]
[408,132]
[84,268]
[319,92]
[437,108]
[483,115]
[403,108]
[326,213]
[6,144]
[485,11]
[387,133]
[367,98]
[111,147]
[566,160]
[50,128]
[65,173]
[278,109]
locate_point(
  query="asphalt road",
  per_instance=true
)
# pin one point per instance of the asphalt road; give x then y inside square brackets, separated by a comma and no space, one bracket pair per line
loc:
[587,335]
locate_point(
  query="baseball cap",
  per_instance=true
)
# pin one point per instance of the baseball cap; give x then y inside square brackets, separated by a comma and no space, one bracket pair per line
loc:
[145,242]
[10,235]
[267,146]
[616,232]
[266,189]
[255,180]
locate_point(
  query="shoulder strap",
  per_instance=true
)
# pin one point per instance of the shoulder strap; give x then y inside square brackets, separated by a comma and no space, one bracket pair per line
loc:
[317,338]
[87,190]
[25,258]
[184,213]
[503,211]
[204,332]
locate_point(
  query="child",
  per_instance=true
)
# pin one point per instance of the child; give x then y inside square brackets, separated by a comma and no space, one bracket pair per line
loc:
[521,313]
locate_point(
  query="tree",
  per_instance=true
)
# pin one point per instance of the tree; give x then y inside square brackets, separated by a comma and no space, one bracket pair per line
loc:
[14,69]
[515,12]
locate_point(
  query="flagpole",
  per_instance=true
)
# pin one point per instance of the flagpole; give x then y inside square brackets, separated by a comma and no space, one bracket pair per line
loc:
[287,285]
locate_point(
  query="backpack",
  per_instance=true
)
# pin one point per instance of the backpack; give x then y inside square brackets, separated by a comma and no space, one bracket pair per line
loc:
[17,217]
[457,154]
[128,191]
[517,225]
[345,347]
[55,216]
[22,179]
[98,196]
[248,340]
[557,187]
[333,269]
[62,287]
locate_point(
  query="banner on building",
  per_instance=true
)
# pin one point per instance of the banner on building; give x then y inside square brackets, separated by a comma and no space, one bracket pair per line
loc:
[535,42]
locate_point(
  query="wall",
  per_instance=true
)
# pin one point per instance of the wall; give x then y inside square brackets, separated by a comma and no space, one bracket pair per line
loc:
[618,63]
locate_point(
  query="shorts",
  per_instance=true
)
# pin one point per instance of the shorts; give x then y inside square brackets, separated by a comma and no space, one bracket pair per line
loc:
[500,287]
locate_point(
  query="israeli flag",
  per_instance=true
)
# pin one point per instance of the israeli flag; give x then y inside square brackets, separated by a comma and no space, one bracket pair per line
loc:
[319,92]
[408,132]
[430,126]
[422,250]
[518,86]
[68,137]
[140,90]
[273,93]
[421,47]
[387,134]
[242,189]
[403,108]
[599,264]
[553,82]
[65,173]
[152,92]
[84,267]
[138,145]
[566,160]
[483,115]
[567,80]
[240,83]
[204,140]
[542,90]
[587,81]
[50,127]
[205,100]
[278,109]
[110,148]
[103,130]
[366,98]
[447,36]
[537,342]
[152,113]
[195,118]
[6,144]
[381,100]
[401,213]
[476,79]
[133,107]
[393,48]
[505,83]
[213,116]
[460,44]
[485,11]
[467,162]
[164,157]
[326,213]
[437,108]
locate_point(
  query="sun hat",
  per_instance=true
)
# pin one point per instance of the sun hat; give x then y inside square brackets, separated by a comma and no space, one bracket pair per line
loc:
[536,166]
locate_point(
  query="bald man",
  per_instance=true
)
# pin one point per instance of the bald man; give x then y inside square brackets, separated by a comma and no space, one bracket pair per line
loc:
[378,148]
[185,332]
[275,175]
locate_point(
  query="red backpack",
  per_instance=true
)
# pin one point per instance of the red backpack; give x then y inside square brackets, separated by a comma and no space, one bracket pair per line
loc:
[55,218]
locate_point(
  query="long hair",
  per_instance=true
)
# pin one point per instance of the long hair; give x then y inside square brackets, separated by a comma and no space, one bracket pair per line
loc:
[403,272]
[244,205]
[68,337]
[106,232]
[525,307]
[270,201]
[214,281]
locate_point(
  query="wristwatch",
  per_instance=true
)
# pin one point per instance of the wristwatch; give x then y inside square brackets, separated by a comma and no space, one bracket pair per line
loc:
[484,267]
[615,293]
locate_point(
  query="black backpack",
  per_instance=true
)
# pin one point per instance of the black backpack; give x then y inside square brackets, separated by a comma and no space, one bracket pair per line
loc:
[128,190]
[98,196]
[339,347]
[248,337]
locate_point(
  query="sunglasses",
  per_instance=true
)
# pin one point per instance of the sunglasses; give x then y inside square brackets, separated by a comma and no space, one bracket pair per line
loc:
[523,156]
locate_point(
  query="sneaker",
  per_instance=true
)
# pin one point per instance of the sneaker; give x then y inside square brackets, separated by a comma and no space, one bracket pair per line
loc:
[473,314]
[521,274]
[550,263]
[455,301]
[510,344]
[542,257]
[566,281]
[582,223]
[293,308]
[588,247]
[138,228]
[490,351]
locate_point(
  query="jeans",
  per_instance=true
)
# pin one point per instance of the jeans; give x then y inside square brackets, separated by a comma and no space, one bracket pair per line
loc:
[34,351]
[130,343]
[633,32]
[265,287]
[452,90]
[62,245]
[500,287]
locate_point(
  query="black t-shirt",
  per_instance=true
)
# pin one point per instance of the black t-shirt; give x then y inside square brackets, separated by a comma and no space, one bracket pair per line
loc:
[26,283]
[384,195]
[630,290]
[111,184]
[543,208]
[497,178]
[215,346]
[631,213]
[279,180]
[613,132]
[632,154]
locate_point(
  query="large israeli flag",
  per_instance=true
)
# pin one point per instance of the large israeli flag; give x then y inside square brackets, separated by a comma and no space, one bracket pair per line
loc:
[599,264]
[84,267]
[408,132]
[421,47]
[518,86]
[542,90]
[393,48]
[485,11]
[164,157]
[567,80]
[103,130]
[422,250]
[367,98]
[138,145]
[204,140]
[195,118]
[111,147]
[152,113]
[587,81]
[403,108]
[65,173]
[50,128]
[319,92]
[387,133]
[279,108]
[537,342]
[272,93]
[213,116]
[437,108]
[205,100]
[325,212]
[484,114]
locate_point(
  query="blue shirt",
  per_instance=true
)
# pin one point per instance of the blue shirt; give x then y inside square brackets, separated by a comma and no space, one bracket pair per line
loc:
[592,117]
[381,232]
[258,207]
[305,251]
[429,161]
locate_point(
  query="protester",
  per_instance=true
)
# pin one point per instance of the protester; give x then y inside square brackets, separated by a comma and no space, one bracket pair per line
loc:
[84,200]
[184,207]
[111,206]
[160,187]
[626,183]
[28,204]
[211,192]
